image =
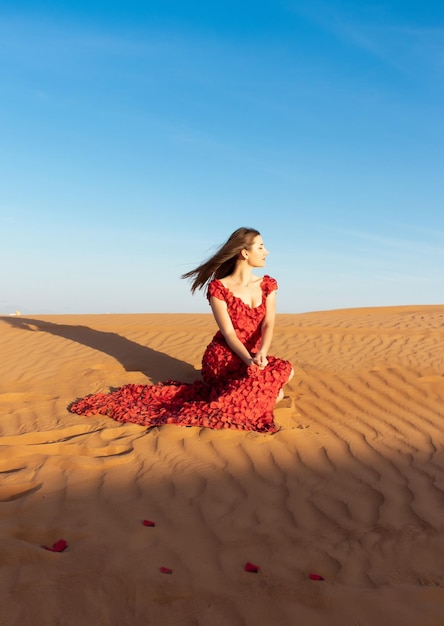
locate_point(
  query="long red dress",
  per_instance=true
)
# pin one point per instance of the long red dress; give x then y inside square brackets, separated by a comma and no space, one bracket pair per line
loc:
[230,394]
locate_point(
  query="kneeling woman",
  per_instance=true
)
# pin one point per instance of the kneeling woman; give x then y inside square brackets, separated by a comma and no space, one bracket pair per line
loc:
[241,382]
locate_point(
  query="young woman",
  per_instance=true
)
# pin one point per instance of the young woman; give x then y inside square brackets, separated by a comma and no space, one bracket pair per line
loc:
[241,382]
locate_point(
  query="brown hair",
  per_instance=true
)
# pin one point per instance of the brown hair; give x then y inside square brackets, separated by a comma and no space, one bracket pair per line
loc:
[223,262]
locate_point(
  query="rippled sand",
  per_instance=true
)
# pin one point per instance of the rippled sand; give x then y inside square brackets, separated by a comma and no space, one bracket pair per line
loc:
[351,488]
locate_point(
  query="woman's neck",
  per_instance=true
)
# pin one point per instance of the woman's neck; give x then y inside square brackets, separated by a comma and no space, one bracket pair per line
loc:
[242,276]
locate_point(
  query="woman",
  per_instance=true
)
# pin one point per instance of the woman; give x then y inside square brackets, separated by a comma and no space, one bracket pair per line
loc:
[240,382]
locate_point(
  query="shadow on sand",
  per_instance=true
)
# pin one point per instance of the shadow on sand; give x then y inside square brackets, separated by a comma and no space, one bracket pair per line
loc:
[133,357]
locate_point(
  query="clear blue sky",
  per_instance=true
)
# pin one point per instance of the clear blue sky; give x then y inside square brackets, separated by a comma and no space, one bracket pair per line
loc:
[135,136]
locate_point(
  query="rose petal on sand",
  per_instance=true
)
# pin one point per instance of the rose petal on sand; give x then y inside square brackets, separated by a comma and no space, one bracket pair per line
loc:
[316,577]
[166,570]
[251,567]
[58,546]
[147,522]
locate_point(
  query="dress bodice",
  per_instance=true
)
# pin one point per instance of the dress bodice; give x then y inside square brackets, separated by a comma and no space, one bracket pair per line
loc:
[246,319]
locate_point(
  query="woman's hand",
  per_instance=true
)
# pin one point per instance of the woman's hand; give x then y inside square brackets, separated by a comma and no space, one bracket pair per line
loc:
[252,369]
[260,360]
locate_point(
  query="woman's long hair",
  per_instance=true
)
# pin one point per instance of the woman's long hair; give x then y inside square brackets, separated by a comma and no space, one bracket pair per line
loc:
[223,262]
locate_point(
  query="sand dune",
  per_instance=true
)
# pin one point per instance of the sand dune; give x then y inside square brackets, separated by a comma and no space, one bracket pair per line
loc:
[351,488]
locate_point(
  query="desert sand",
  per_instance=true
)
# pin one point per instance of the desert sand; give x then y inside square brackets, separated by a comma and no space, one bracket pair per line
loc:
[350,489]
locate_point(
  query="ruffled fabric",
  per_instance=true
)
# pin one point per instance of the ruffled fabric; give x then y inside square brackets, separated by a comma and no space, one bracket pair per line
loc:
[230,395]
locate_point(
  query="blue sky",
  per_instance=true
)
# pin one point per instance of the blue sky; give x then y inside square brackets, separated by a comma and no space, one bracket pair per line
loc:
[136,136]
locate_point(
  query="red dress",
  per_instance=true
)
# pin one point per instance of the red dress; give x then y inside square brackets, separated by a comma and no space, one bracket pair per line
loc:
[230,394]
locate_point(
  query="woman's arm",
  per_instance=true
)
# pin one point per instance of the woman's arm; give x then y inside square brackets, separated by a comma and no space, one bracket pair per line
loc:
[223,320]
[267,330]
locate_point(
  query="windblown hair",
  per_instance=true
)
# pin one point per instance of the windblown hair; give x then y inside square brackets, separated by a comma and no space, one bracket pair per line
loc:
[223,262]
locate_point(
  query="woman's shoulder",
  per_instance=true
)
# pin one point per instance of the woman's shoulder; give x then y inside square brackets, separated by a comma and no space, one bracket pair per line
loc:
[268,284]
[216,289]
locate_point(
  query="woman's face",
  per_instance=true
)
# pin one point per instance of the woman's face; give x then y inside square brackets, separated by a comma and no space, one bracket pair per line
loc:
[257,253]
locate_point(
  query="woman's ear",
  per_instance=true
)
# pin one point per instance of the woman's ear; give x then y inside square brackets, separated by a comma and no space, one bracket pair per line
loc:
[244,254]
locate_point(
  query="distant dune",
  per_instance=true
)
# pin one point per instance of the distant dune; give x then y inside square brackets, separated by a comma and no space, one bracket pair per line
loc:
[350,490]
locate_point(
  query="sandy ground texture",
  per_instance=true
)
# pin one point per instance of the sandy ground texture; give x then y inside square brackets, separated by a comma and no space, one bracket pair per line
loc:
[351,488]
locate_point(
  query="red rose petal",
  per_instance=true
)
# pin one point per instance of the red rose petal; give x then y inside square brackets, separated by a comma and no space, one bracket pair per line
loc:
[251,567]
[147,522]
[58,546]
[316,577]
[166,570]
